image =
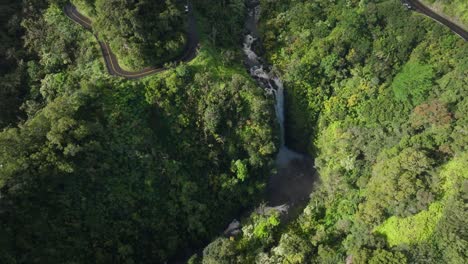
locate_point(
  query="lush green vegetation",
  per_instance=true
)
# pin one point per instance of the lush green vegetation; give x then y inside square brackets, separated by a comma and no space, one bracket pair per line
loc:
[141,33]
[225,20]
[413,229]
[12,67]
[108,170]
[457,10]
[95,168]
[421,226]
[378,95]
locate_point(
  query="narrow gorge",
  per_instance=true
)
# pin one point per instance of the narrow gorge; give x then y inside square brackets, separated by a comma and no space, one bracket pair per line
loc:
[293,182]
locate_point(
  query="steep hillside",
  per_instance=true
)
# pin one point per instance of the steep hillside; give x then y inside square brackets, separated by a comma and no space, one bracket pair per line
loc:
[378,95]
[109,170]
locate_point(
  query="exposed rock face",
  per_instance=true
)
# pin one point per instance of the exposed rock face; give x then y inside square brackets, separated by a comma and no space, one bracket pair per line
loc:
[233,229]
[267,210]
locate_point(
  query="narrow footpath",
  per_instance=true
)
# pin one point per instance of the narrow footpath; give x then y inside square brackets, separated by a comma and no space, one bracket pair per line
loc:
[112,64]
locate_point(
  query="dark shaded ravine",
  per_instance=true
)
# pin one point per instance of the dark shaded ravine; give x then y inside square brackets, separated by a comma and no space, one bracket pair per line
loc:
[421,8]
[288,190]
[296,173]
[293,182]
[113,67]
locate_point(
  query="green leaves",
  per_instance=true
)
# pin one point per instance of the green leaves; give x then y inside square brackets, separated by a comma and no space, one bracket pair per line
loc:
[225,20]
[400,185]
[220,251]
[143,33]
[240,168]
[264,227]
[413,83]
[376,94]
[381,256]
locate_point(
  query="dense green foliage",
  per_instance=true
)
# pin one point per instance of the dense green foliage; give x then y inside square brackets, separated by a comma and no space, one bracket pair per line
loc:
[141,33]
[12,68]
[108,170]
[457,10]
[100,169]
[378,94]
[225,20]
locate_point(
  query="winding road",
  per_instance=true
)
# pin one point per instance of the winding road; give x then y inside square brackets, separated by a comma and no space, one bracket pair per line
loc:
[421,8]
[190,49]
[112,64]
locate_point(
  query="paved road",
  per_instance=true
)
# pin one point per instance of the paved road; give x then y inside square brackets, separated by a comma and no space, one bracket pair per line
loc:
[418,6]
[112,64]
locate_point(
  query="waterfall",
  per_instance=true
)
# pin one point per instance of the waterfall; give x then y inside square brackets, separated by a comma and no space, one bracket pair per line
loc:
[291,185]
[248,49]
[269,82]
[279,107]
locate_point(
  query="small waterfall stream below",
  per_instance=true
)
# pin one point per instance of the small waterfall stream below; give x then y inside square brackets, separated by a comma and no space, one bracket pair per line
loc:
[293,182]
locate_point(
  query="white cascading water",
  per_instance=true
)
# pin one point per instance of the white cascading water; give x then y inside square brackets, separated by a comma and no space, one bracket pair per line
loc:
[272,85]
[293,185]
[251,56]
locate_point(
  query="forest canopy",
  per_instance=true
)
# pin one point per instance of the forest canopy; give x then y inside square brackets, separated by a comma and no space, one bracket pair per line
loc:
[103,169]
[141,33]
[96,168]
[378,95]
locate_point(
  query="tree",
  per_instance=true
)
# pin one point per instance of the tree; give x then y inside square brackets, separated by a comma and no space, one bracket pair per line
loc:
[381,256]
[220,251]
[433,113]
[142,33]
[413,82]
[400,185]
